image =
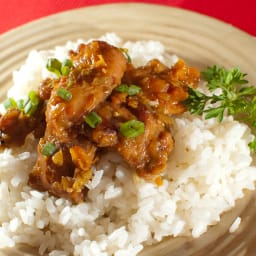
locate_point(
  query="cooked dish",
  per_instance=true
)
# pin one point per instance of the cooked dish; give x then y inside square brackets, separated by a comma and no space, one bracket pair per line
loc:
[99,155]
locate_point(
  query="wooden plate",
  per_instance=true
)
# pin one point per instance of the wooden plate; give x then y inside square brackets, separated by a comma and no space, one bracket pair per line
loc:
[200,40]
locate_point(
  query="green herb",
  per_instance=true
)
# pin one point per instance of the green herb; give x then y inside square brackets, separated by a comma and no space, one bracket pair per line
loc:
[231,95]
[20,104]
[58,68]
[28,106]
[65,67]
[10,103]
[54,66]
[129,89]
[49,149]
[64,94]
[132,128]
[125,51]
[93,119]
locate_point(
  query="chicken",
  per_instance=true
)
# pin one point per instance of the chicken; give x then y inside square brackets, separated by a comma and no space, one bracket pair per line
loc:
[162,92]
[98,69]
[103,103]
[15,126]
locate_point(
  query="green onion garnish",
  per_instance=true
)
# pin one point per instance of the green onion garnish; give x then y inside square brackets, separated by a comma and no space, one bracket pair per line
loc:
[30,105]
[65,67]
[28,109]
[54,65]
[20,104]
[49,149]
[10,103]
[64,94]
[132,128]
[125,51]
[58,68]
[93,119]
[129,89]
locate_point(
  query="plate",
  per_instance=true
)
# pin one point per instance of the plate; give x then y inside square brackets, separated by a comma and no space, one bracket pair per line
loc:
[200,40]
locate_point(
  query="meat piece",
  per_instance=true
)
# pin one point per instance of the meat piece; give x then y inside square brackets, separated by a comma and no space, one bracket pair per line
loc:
[148,152]
[104,136]
[45,88]
[98,69]
[164,88]
[66,176]
[15,126]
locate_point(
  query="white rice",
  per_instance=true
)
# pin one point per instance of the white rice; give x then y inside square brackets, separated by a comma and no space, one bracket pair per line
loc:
[208,171]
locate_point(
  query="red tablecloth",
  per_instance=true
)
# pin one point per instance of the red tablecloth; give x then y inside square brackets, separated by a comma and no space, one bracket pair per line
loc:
[239,13]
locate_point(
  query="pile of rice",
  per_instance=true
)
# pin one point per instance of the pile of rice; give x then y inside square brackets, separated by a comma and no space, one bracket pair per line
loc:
[208,171]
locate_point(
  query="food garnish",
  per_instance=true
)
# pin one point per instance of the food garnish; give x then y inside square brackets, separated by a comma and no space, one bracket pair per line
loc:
[93,119]
[64,94]
[66,66]
[49,149]
[230,94]
[132,128]
[27,106]
[125,51]
[58,68]
[129,89]
[10,103]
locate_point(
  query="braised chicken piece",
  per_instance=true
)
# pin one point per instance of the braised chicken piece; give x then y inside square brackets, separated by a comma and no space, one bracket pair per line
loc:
[101,102]
[147,152]
[162,91]
[163,88]
[99,69]
[15,126]
[64,171]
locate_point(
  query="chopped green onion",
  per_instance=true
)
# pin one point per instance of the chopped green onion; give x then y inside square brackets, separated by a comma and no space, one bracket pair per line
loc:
[54,65]
[64,94]
[65,70]
[33,97]
[49,149]
[132,128]
[26,101]
[70,81]
[28,109]
[65,67]
[129,89]
[30,106]
[125,51]
[67,63]
[20,104]
[93,119]
[252,145]
[10,103]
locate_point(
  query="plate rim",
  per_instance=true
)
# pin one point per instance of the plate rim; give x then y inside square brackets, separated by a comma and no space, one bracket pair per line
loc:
[139,4]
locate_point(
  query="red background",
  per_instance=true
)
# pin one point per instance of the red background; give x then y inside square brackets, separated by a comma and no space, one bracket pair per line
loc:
[239,13]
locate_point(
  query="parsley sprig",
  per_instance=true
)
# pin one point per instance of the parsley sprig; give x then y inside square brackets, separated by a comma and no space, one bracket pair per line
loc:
[230,94]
